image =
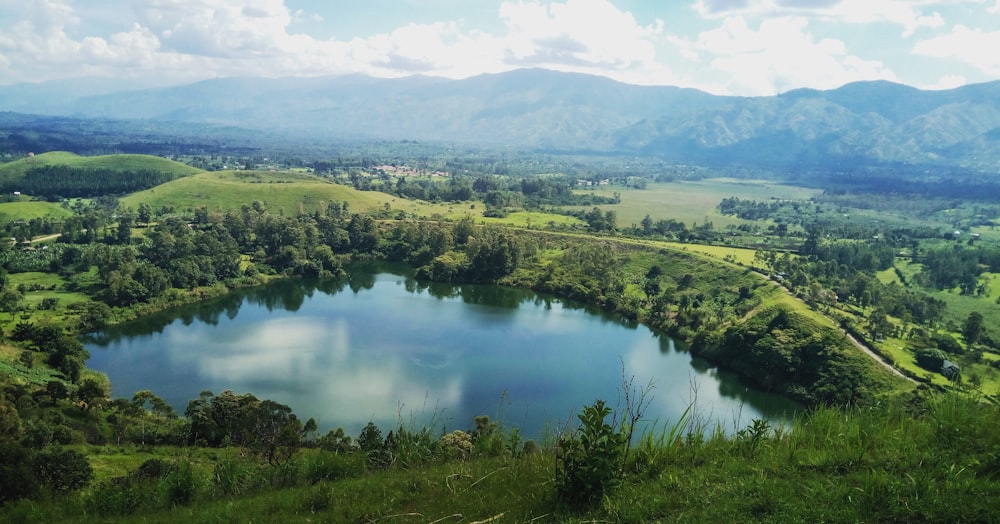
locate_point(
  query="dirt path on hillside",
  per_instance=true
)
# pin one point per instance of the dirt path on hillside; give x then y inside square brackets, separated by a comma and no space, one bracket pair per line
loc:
[46,237]
[877,358]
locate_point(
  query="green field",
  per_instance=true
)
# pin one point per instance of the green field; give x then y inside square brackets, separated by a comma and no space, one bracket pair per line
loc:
[693,201]
[11,211]
[534,219]
[738,255]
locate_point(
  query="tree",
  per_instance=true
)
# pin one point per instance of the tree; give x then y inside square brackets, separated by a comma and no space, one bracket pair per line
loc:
[145,213]
[275,433]
[90,391]
[493,254]
[973,328]
[370,438]
[647,225]
[125,222]
[10,301]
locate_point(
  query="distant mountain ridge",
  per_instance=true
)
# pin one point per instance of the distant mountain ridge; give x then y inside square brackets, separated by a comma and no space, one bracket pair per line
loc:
[863,122]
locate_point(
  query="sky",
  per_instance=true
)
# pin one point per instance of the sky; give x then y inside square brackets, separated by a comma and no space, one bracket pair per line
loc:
[731,47]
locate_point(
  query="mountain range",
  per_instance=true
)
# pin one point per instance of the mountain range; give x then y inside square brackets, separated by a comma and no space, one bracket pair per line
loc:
[859,123]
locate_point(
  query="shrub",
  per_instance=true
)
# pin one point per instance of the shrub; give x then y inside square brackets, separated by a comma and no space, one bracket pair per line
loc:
[587,462]
[456,445]
[62,470]
[237,476]
[179,486]
[118,497]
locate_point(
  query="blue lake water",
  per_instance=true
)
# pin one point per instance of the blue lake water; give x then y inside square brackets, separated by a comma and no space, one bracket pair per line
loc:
[382,347]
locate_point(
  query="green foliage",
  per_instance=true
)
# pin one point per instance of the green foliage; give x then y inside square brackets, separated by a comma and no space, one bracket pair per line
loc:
[588,461]
[62,470]
[70,182]
[17,478]
[324,466]
[930,359]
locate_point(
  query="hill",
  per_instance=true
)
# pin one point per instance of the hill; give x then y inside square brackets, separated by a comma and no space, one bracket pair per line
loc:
[285,192]
[61,174]
[857,124]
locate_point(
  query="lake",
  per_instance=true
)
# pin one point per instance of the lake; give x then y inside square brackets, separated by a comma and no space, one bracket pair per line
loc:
[380,346]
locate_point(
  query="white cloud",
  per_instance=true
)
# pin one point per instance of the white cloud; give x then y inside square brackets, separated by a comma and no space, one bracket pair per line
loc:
[972,46]
[302,16]
[582,36]
[780,55]
[217,27]
[759,46]
[186,38]
[946,82]
[995,9]
[905,13]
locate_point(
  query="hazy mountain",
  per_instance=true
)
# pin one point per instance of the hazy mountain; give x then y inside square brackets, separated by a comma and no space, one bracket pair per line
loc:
[860,122]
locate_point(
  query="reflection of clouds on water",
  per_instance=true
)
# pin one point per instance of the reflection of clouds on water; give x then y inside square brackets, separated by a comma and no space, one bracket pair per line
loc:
[728,403]
[342,386]
[395,355]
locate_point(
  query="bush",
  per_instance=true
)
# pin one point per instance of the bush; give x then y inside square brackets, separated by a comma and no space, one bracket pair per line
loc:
[179,486]
[237,477]
[587,462]
[16,478]
[62,470]
[930,359]
[118,497]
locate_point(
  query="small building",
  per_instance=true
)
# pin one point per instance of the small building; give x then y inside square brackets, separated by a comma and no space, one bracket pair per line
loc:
[950,370]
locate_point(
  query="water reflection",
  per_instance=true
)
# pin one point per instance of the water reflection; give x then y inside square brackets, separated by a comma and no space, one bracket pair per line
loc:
[395,348]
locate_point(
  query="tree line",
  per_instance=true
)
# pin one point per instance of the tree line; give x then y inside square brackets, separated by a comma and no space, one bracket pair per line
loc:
[60,181]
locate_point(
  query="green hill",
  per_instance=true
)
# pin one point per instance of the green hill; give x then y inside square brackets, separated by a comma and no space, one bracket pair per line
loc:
[287,192]
[61,174]
[19,168]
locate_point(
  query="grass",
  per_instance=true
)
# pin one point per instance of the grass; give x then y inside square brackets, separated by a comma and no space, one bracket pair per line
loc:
[12,371]
[290,193]
[913,459]
[739,255]
[39,287]
[26,210]
[693,201]
[535,219]
[906,361]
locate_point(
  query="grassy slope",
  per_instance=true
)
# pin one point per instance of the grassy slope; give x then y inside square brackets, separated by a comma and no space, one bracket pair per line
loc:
[18,168]
[10,211]
[957,310]
[291,193]
[931,461]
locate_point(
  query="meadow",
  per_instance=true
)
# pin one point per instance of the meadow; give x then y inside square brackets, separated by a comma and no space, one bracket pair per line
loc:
[693,201]
[27,210]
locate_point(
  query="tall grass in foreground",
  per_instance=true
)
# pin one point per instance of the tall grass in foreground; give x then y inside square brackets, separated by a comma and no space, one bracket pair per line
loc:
[909,460]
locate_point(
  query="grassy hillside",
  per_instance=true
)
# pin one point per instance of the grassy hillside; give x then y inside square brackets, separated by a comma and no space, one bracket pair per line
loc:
[10,211]
[290,193]
[914,461]
[19,168]
[57,175]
